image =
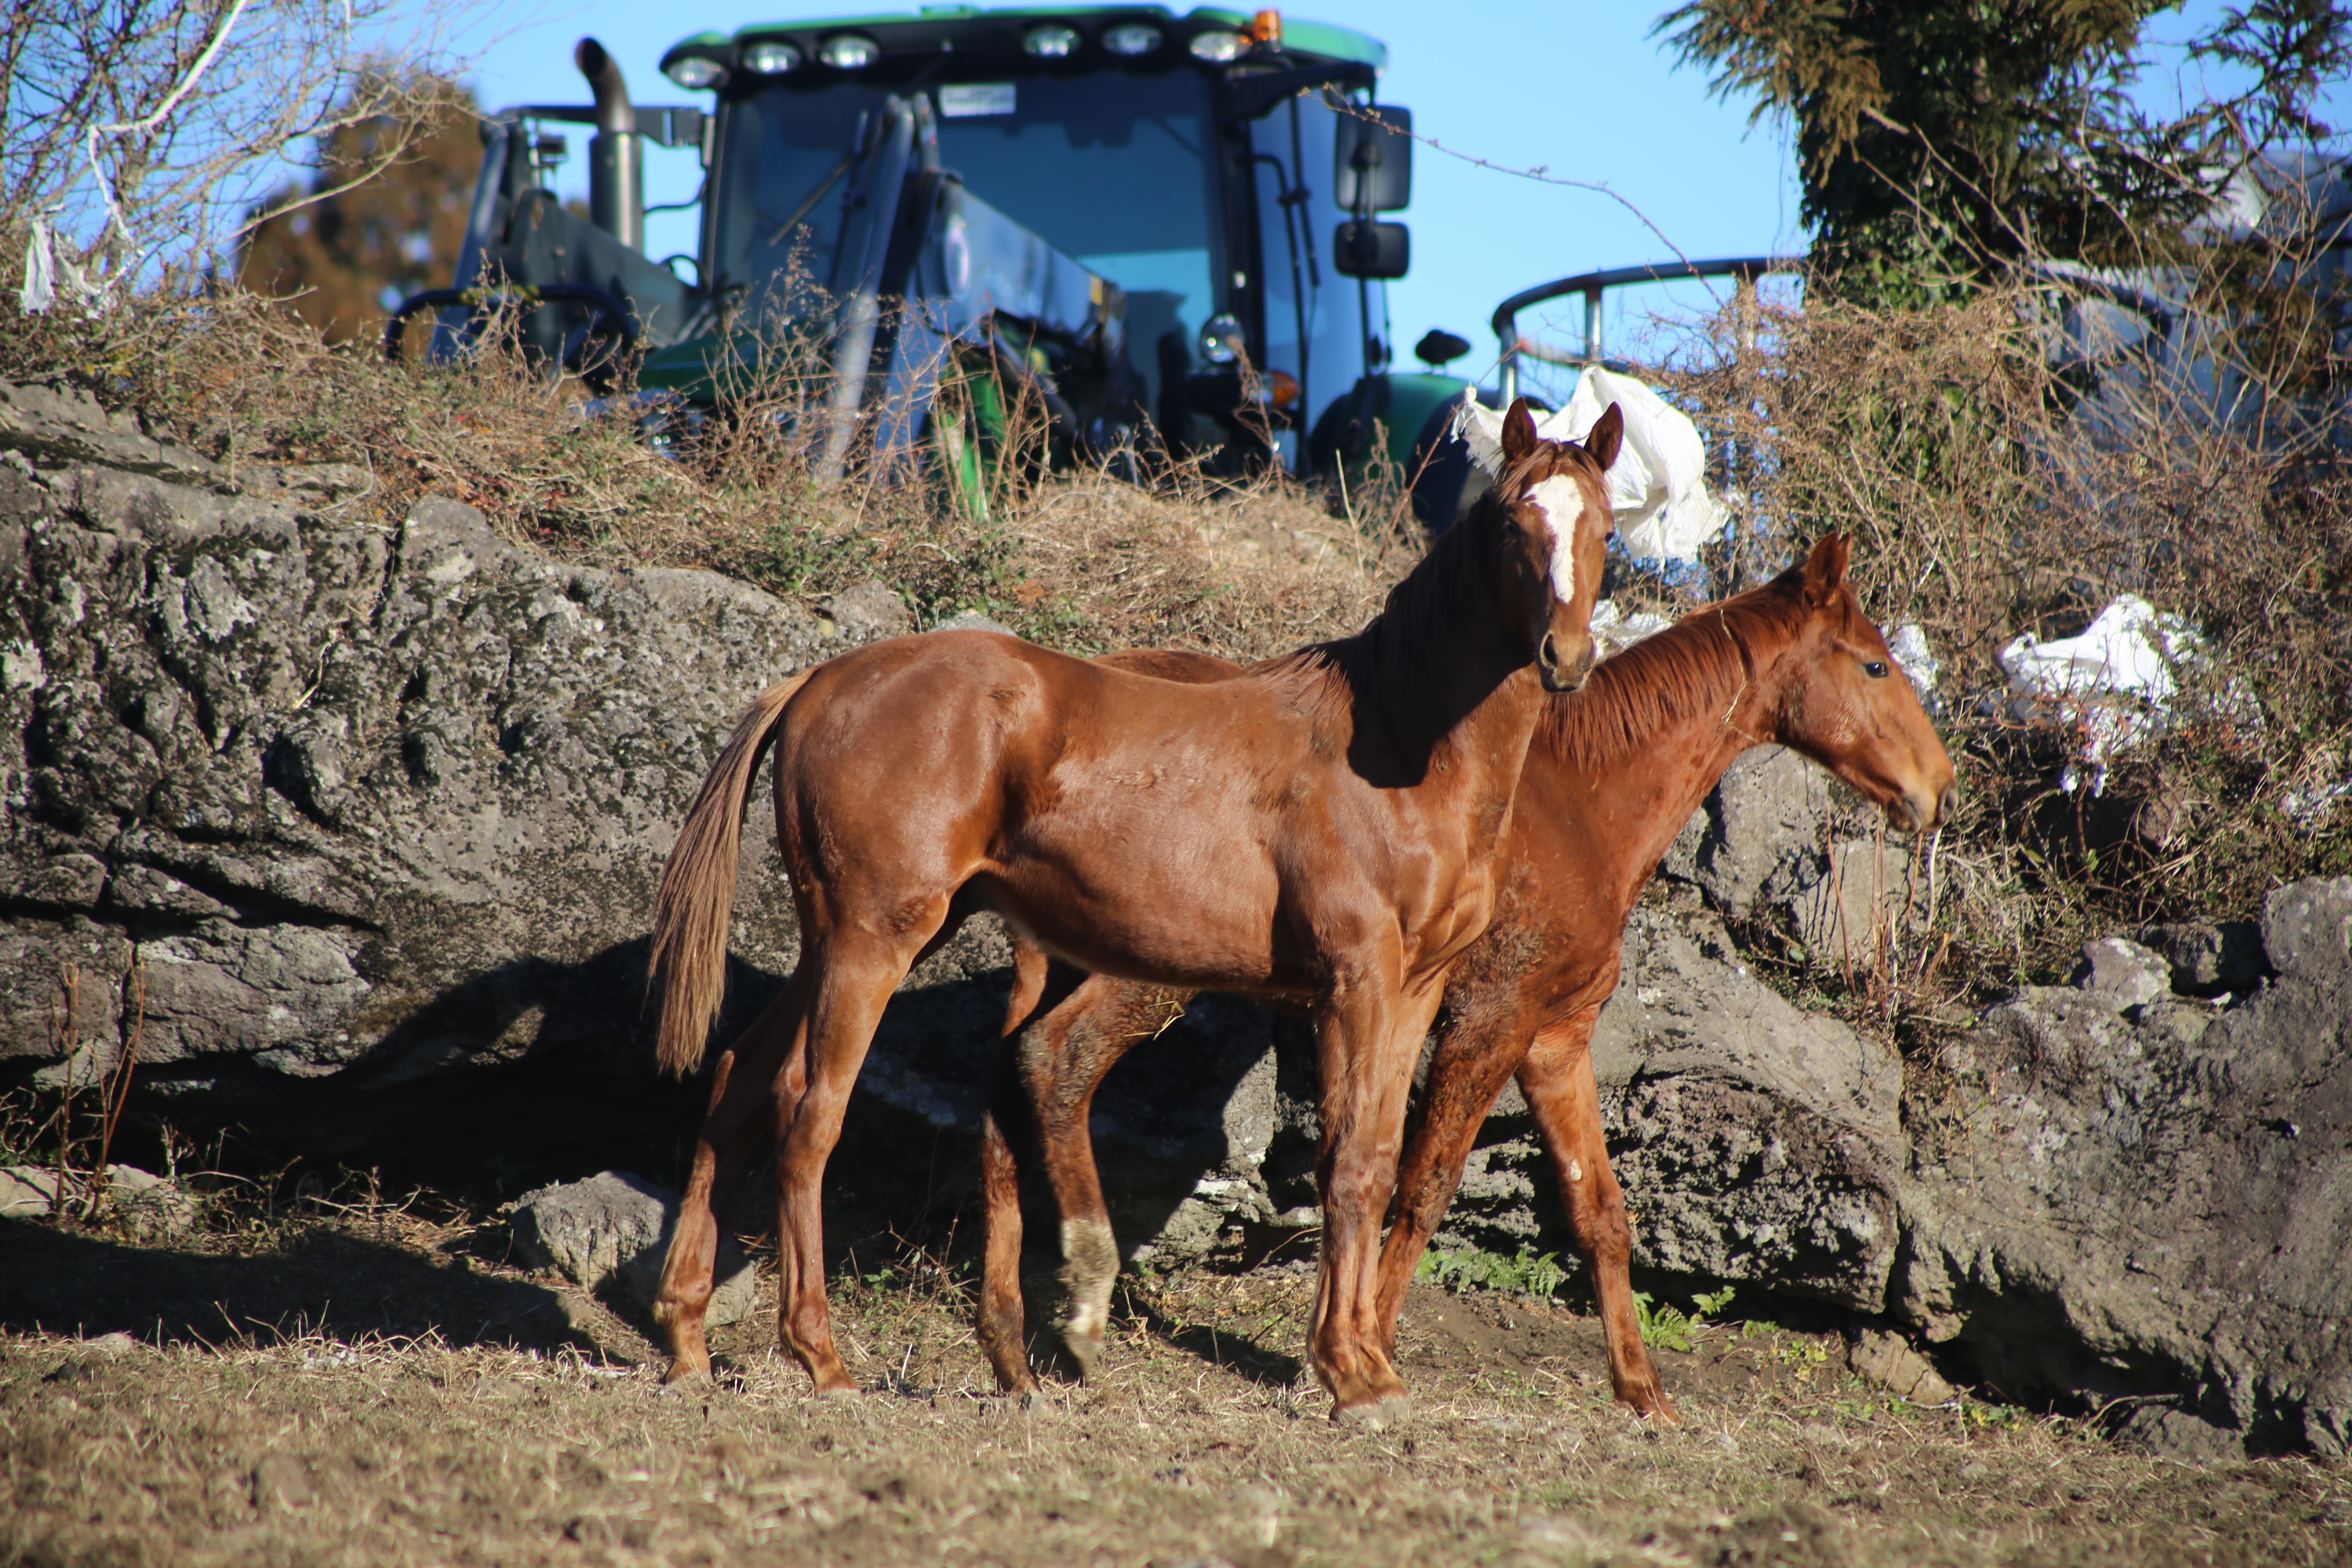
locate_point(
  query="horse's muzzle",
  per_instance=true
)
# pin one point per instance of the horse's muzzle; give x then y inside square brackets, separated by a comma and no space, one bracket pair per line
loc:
[1559,675]
[1917,811]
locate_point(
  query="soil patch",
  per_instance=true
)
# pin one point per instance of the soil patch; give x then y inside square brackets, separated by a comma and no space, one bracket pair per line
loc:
[356,1396]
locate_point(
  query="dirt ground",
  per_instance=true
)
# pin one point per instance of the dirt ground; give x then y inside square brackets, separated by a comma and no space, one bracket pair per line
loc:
[375,1390]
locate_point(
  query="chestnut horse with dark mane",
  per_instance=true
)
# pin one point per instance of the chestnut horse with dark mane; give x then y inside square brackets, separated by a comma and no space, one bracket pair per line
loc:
[1321,826]
[1612,776]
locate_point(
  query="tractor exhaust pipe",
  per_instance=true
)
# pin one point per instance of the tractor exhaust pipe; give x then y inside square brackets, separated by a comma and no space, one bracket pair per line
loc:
[616,153]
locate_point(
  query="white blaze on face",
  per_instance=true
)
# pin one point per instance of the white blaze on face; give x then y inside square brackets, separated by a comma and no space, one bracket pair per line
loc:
[1563,503]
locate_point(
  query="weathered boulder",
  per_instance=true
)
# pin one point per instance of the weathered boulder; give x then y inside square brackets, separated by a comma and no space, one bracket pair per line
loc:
[312,810]
[2153,1198]
[1778,841]
[1755,1143]
[615,1226]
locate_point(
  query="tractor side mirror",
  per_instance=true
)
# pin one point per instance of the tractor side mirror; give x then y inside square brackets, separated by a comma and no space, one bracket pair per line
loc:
[1373,151]
[1366,247]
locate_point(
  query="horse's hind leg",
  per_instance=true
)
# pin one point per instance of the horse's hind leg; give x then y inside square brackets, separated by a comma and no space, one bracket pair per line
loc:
[856,972]
[1556,1079]
[1063,1059]
[1003,1326]
[741,1112]
[1474,1059]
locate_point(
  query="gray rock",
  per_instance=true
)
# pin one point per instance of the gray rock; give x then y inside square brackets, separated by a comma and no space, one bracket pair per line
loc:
[973,621]
[2161,1205]
[27,1192]
[2308,928]
[615,1226]
[314,811]
[2208,959]
[2123,974]
[1760,828]
[872,608]
[152,1208]
[1888,1361]
[56,422]
[1860,904]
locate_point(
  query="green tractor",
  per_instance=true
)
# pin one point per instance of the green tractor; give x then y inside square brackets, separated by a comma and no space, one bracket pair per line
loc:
[1157,229]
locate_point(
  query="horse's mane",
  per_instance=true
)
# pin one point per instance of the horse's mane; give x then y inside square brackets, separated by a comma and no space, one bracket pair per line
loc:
[1697,665]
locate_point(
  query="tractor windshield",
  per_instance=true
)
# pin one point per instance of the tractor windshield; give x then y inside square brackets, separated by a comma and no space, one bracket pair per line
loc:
[1111,169]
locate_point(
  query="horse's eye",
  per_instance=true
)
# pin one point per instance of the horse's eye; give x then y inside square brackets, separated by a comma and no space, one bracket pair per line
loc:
[1875,669]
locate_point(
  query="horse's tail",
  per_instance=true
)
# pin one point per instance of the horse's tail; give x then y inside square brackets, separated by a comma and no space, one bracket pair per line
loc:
[697,902]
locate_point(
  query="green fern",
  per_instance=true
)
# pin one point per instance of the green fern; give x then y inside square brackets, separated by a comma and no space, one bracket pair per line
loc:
[1665,1326]
[1535,1273]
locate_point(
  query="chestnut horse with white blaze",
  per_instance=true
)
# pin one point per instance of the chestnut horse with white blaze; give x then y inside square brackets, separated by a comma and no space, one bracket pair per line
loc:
[1612,774]
[1322,826]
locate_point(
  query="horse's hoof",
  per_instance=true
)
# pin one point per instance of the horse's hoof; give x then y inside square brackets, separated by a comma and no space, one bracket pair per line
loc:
[840,1391]
[1085,1350]
[684,1371]
[1371,1415]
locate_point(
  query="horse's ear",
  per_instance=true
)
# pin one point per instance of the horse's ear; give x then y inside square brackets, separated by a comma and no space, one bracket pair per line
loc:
[1519,431]
[1607,437]
[1825,567]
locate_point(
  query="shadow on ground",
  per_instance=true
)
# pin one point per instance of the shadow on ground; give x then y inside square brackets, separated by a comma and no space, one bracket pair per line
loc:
[343,1287]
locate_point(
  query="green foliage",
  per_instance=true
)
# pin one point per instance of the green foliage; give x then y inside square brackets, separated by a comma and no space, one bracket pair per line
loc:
[1533,1273]
[1939,139]
[1667,1327]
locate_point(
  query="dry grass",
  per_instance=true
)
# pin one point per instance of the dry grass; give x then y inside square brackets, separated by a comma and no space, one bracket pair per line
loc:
[1078,558]
[1201,1443]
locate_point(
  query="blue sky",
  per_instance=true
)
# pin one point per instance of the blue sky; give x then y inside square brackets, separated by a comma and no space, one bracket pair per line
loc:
[1581,89]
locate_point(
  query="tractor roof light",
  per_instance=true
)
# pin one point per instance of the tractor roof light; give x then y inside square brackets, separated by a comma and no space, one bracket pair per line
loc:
[849,52]
[1131,39]
[1051,42]
[1267,28]
[770,57]
[695,72]
[1217,46]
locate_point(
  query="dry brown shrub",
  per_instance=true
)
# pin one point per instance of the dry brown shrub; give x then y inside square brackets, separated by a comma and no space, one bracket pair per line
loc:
[1081,559]
[1997,484]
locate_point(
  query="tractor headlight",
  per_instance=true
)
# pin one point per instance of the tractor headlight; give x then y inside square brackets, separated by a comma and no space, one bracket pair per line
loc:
[1221,338]
[694,72]
[770,57]
[1217,48]
[1131,38]
[1051,42]
[848,52]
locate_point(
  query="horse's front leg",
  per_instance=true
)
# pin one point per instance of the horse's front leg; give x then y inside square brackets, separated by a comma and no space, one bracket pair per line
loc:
[1367,1038]
[1556,1079]
[741,1112]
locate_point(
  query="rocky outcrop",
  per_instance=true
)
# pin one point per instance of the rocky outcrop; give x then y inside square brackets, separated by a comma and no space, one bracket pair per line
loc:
[326,822]
[305,810]
[2132,1194]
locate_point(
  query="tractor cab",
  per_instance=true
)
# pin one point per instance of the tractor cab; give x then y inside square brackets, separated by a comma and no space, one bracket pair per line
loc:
[1160,227]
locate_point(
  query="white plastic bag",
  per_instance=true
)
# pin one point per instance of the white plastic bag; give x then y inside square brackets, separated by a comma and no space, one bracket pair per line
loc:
[2116,680]
[1658,483]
